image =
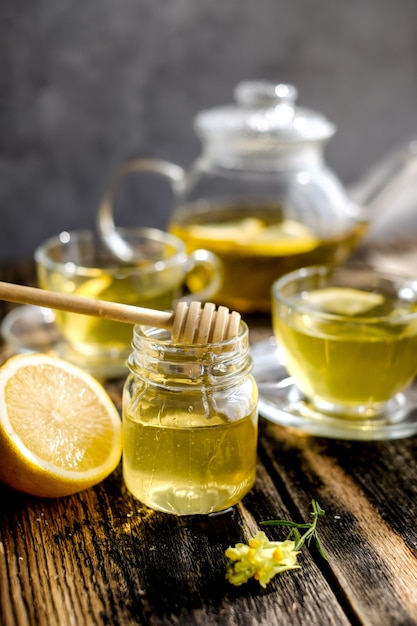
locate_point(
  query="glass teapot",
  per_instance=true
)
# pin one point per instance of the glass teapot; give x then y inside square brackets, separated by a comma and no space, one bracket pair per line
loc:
[260,195]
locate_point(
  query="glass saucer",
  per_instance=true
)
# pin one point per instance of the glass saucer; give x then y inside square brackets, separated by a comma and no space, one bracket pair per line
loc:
[30,328]
[281,402]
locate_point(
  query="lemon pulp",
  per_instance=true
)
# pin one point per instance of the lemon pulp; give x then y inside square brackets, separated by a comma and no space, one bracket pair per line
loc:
[59,430]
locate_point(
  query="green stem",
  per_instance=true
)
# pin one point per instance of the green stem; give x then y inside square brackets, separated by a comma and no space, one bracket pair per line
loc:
[311,532]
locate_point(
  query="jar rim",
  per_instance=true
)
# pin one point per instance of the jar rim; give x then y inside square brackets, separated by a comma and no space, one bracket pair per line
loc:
[162,337]
[153,351]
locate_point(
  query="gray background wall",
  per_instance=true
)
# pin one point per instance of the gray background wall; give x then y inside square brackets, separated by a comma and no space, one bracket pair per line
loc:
[85,85]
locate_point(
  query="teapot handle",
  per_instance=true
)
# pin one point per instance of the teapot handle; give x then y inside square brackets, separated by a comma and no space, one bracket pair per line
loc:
[105,220]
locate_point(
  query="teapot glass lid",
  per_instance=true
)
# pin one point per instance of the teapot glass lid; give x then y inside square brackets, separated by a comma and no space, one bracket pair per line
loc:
[263,109]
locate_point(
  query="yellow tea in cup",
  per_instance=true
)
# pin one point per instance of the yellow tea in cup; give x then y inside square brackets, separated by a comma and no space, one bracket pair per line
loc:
[349,337]
[78,263]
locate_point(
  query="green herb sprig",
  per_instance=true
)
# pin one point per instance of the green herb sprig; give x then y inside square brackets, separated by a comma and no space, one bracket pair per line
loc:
[311,529]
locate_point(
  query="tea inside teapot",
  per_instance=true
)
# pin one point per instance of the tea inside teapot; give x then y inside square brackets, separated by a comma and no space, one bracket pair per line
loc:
[256,250]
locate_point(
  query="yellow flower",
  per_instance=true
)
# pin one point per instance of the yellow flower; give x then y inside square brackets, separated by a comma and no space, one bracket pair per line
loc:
[262,559]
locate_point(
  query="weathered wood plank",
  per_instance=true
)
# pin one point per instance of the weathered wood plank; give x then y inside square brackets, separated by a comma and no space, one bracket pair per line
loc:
[100,553]
[368,531]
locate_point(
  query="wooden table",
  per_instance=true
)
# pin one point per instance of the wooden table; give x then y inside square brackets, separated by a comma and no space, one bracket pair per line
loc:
[101,558]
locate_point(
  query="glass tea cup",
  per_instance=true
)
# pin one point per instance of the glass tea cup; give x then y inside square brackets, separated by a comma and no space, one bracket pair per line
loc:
[349,339]
[78,263]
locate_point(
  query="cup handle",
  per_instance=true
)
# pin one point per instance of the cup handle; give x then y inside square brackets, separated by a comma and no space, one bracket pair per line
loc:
[207,262]
[105,220]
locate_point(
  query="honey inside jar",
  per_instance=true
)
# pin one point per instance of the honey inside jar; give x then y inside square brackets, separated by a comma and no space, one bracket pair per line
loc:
[184,462]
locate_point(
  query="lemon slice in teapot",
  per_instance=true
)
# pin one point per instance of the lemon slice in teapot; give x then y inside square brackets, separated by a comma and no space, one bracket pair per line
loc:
[287,237]
[234,232]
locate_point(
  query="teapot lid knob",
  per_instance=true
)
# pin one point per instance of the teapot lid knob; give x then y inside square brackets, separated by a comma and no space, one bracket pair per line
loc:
[262,93]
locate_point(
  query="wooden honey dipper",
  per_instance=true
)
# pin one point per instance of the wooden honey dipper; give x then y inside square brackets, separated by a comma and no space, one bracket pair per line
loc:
[188,323]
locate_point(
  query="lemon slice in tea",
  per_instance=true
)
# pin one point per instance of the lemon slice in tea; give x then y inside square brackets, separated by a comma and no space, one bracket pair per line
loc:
[343,300]
[95,287]
[226,233]
[83,332]
[60,432]
[287,237]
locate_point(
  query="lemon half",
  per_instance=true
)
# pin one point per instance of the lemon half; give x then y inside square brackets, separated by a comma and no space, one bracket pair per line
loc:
[60,432]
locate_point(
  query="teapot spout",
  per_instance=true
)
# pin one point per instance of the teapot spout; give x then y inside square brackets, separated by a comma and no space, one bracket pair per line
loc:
[388,194]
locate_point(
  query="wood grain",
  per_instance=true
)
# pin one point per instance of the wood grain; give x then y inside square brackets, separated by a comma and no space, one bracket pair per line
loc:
[101,558]
[366,533]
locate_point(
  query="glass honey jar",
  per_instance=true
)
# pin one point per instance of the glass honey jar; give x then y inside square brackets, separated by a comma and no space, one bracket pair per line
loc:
[189,423]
